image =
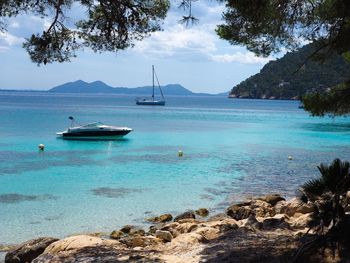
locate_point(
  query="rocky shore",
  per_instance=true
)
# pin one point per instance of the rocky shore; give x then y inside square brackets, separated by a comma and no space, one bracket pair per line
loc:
[264,229]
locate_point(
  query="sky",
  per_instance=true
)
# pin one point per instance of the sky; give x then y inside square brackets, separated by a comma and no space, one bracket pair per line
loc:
[192,56]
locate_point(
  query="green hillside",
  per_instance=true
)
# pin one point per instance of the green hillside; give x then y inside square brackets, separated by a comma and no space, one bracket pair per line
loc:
[280,79]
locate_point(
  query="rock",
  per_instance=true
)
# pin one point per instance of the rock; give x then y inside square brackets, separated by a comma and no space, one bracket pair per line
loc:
[274,222]
[306,209]
[209,233]
[186,215]
[253,222]
[137,232]
[218,217]
[82,248]
[132,230]
[280,207]
[227,227]
[154,228]
[186,241]
[78,242]
[202,212]
[140,241]
[161,219]
[300,222]
[164,235]
[126,229]
[172,228]
[296,206]
[6,248]
[116,234]
[272,199]
[239,213]
[28,251]
[262,208]
[188,220]
[186,227]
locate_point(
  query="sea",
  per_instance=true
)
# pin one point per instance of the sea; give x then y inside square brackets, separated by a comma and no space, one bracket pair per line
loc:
[232,149]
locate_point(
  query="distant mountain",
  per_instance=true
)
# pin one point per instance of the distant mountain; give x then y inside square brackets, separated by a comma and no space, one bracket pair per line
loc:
[288,78]
[80,86]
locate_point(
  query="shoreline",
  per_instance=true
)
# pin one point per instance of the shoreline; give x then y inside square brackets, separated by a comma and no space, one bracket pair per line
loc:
[191,235]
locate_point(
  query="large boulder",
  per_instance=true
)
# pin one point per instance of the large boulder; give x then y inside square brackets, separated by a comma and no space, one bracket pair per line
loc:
[78,242]
[28,251]
[272,199]
[239,212]
[160,219]
[81,248]
[186,215]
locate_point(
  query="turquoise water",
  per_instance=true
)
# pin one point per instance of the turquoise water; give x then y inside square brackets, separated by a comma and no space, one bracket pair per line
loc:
[232,149]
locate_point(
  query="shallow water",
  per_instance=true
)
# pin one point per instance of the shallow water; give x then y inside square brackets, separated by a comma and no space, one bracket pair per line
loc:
[232,149]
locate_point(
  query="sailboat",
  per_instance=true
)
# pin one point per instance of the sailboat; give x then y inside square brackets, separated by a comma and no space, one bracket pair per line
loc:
[152,101]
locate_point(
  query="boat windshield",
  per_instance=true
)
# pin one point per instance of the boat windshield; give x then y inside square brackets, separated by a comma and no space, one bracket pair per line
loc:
[94,124]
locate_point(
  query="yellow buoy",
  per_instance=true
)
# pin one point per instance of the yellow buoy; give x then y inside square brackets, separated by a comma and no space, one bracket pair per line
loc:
[180,153]
[41,147]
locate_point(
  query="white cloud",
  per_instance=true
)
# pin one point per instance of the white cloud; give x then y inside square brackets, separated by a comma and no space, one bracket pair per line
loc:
[177,39]
[239,57]
[197,42]
[9,39]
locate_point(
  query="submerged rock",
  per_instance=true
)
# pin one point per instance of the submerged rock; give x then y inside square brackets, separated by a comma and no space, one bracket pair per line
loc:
[186,215]
[29,250]
[161,219]
[202,212]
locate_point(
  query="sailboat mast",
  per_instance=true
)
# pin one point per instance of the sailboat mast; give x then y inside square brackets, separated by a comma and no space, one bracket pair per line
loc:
[153,82]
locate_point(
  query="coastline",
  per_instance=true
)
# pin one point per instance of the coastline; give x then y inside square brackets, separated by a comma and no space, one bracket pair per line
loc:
[261,224]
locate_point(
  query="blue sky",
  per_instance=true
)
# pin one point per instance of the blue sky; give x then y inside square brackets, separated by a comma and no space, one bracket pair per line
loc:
[194,57]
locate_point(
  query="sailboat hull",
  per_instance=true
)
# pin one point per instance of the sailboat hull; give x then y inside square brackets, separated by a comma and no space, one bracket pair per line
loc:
[151,102]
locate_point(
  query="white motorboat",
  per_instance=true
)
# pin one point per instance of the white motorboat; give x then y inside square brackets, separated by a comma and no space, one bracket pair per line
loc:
[93,131]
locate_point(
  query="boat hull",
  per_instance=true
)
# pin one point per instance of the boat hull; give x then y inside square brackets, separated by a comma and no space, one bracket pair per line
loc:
[93,135]
[150,102]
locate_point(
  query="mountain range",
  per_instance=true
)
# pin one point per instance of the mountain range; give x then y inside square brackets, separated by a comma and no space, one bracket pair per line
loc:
[80,86]
[294,75]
